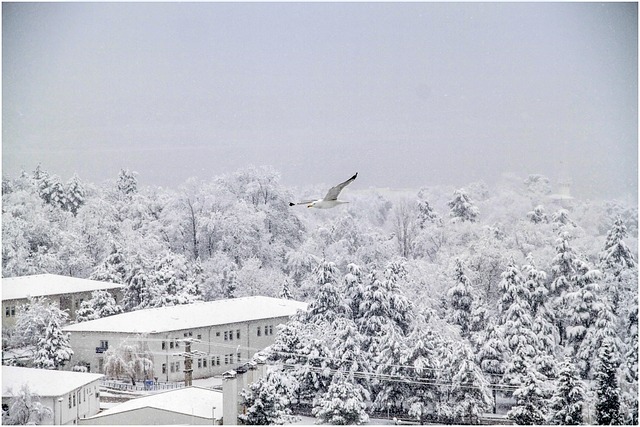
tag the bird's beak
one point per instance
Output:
(309, 206)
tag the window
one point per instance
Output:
(218, 360)
(178, 366)
(199, 336)
(13, 310)
(171, 344)
(204, 363)
(218, 333)
(259, 330)
(164, 345)
(231, 335)
(7, 311)
(185, 334)
(200, 363)
(177, 343)
(104, 344)
(226, 359)
(74, 399)
(164, 368)
(226, 335)
(173, 367)
(231, 358)
(270, 329)
(238, 355)
(69, 401)
(238, 333)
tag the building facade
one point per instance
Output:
(71, 396)
(67, 292)
(215, 336)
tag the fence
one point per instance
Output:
(149, 385)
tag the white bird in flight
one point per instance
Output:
(330, 200)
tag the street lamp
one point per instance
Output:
(213, 415)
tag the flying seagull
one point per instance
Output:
(330, 200)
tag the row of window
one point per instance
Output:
(228, 336)
(202, 363)
(10, 311)
(268, 330)
(73, 401)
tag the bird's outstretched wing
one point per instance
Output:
(333, 192)
(301, 203)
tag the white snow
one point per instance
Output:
(191, 316)
(194, 401)
(41, 285)
(43, 382)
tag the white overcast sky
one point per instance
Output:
(407, 94)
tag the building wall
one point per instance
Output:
(70, 407)
(69, 302)
(147, 416)
(221, 348)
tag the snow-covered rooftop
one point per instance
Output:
(194, 401)
(40, 285)
(191, 316)
(43, 382)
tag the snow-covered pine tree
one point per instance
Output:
(607, 387)
(137, 291)
(583, 303)
(460, 299)
(388, 353)
(560, 219)
(538, 215)
(568, 397)
(353, 290)
(462, 208)
(114, 267)
(268, 400)
(85, 312)
(343, 403)
(104, 304)
(53, 349)
(285, 292)
(57, 193)
(602, 330)
(491, 356)
(426, 215)
(127, 182)
(417, 360)
(563, 269)
(347, 347)
(531, 400)
(327, 304)
(469, 394)
(75, 195)
(619, 266)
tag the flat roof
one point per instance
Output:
(191, 316)
(195, 401)
(41, 285)
(44, 382)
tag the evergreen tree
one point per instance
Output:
(461, 300)
(104, 304)
(619, 266)
(563, 269)
(342, 404)
(268, 400)
(353, 290)
(530, 397)
(85, 312)
(327, 304)
(568, 397)
(127, 182)
(603, 329)
(462, 208)
(75, 195)
(427, 215)
(583, 304)
(607, 388)
(389, 351)
(113, 269)
(53, 349)
(491, 356)
(470, 389)
(560, 219)
(538, 215)
(285, 292)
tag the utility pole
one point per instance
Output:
(188, 359)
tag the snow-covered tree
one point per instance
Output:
(75, 195)
(342, 404)
(25, 408)
(568, 397)
(327, 304)
(607, 387)
(561, 219)
(461, 300)
(469, 394)
(531, 400)
(603, 329)
(491, 356)
(113, 269)
(462, 208)
(427, 215)
(85, 312)
(619, 265)
(103, 304)
(52, 350)
(538, 215)
(268, 400)
(285, 292)
(129, 360)
(127, 182)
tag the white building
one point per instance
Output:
(227, 332)
(70, 395)
(67, 292)
(190, 405)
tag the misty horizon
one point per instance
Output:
(408, 95)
